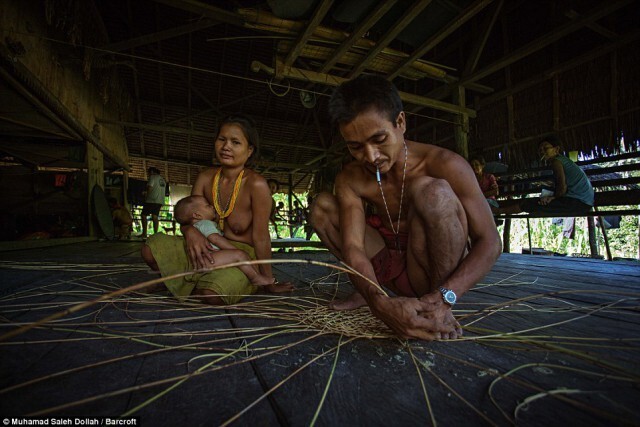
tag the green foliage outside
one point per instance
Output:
(165, 217)
(284, 230)
(623, 241)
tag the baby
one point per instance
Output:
(196, 211)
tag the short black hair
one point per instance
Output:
(552, 139)
(361, 94)
(182, 211)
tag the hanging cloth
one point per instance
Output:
(231, 203)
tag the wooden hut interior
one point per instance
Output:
(96, 92)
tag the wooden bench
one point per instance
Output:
(296, 243)
(613, 192)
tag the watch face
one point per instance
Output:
(450, 297)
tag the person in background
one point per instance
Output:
(154, 199)
(274, 186)
(122, 219)
(572, 193)
(298, 219)
(196, 211)
(488, 183)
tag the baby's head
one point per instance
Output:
(192, 209)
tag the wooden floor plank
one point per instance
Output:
(573, 359)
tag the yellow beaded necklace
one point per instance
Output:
(215, 190)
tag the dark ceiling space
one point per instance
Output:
(186, 63)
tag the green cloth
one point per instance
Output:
(170, 253)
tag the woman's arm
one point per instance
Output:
(198, 247)
(260, 207)
(561, 181)
(261, 210)
(493, 187)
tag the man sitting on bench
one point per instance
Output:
(573, 194)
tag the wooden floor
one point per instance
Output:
(548, 341)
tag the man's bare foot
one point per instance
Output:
(354, 301)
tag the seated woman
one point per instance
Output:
(487, 182)
(573, 193)
(241, 199)
(122, 219)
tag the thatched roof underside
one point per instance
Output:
(593, 117)
(527, 68)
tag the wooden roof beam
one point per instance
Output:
(605, 32)
(393, 32)
(321, 11)
(544, 41)
(364, 26)
(478, 48)
(260, 163)
(215, 111)
(185, 131)
(155, 37)
(582, 59)
(433, 41)
(204, 9)
(329, 80)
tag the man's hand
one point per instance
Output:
(198, 248)
(415, 318)
(441, 312)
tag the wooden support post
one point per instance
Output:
(614, 96)
(125, 190)
(604, 235)
(95, 171)
(506, 236)
(593, 244)
(529, 234)
(290, 205)
(461, 129)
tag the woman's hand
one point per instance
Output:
(198, 248)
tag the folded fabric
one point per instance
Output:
(170, 253)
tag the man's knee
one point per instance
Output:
(434, 196)
(324, 205)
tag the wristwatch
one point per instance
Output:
(448, 296)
